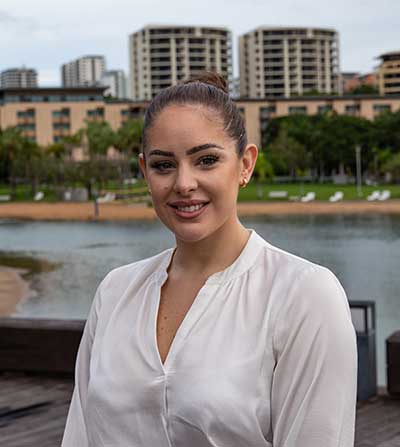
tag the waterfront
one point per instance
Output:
(72, 257)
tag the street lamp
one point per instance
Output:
(359, 175)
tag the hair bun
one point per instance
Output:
(211, 78)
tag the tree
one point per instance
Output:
(364, 89)
(128, 140)
(288, 153)
(393, 167)
(100, 137)
(386, 131)
(20, 158)
(263, 169)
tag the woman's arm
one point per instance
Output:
(75, 434)
(315, 376)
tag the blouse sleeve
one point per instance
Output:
(75, 433)
(313, 396)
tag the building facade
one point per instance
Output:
(115, 81)
(19, 78)
(287, 62)
(48, 115)
(389, 73)
(85, 71)
(161, 56)
(351, 81)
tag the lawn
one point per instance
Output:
(248, 194)
(323, 191)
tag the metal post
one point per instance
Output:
(96, 204)
(359, 174)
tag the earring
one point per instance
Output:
(149, 190)
(243, 182)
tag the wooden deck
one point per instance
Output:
(33, 410)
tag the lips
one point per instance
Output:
(189, 209)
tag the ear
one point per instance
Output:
(142, 165)
(248, 161)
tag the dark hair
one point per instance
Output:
(208, 89)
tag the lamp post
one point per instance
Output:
(359, 175)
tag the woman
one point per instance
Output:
(225, 340)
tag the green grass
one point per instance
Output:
(323, 191)
(248, 194)
(24, 192)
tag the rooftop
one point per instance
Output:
(390, 55)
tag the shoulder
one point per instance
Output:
(300, 289)
(286, 272)
(118, 280)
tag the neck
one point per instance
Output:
(212, 254)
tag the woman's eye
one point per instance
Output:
(208, 161)
(161, 165)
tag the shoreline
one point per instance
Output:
(125, 212)
(13, 290)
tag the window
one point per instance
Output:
(381, 108)
(353, 109)
(324, 109)
(295, 110)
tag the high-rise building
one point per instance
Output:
(286, 62)
(389, 73)
(18, 78)
(115, 80)
(161, 56)
(83, 72)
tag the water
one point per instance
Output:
(363, 251)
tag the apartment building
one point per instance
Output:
(287, 62)
(48, 114)
(351, 81)
(389, 73)
(85, 71)
(45, 115)
(19, 78)
(115, 81)
(161, 56)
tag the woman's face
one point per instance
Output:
(193, 171)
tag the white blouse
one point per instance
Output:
(265, 356)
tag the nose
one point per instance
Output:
(185, 180)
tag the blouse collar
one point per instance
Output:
(241, 264)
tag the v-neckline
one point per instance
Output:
(198, 306)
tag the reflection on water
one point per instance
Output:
(363, 251)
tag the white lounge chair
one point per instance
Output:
(278, 194)
(309, 197)
(109, 197)
(39, 196)
(337, 196)
(384, 195)
(374, 196)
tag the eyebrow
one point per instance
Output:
(193, 150)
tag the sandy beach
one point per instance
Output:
(13, 289)
(120, 211)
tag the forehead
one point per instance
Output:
(186, 125)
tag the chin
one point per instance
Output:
(191, 233)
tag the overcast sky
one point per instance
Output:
(44, 34)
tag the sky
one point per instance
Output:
(44, 34)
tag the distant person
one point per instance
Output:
(224, 340)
